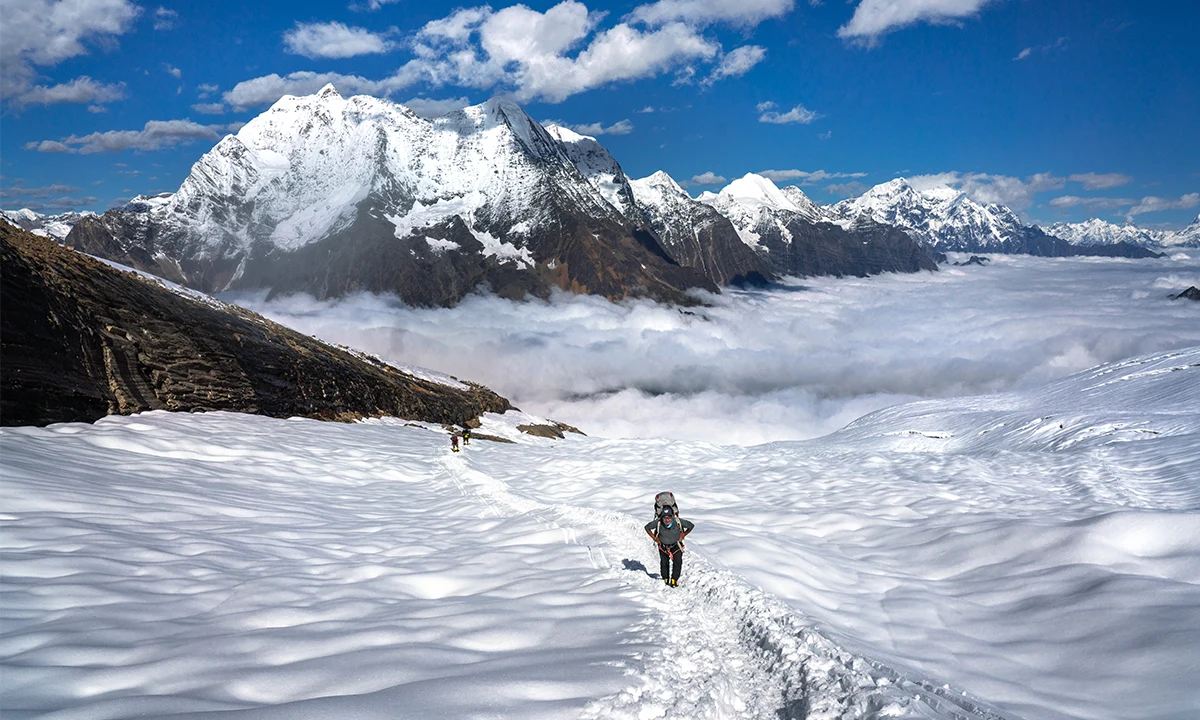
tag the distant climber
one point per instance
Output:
(454, 442)
(668, 531)
(466, 433)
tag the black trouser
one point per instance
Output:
(665, 555)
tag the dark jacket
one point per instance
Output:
(669, 536)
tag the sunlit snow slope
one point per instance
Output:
(1030, 555)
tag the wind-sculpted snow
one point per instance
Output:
(180, 565)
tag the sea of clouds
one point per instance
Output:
(796, 361)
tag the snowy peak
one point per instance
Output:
(660, 184)
(941, 217)
(51, 226)
(1188, 237)
(596, 164)
(399, 201)
(755, 191)
(1098, 232)
(804, 204)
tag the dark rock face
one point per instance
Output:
(974, 260)
(82, 340)
(1192, 293)
(581, 254)
(867, 248)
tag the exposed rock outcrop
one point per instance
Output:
(82, 340)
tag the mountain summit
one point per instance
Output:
(329, 195)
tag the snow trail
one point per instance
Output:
(723, 648)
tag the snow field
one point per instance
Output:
(182, 565)
(167, 565)
(1038, 550)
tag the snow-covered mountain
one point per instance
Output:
(597, 165)
(1099, 232)
(1188, 237)
(948, 220)
(330, 195)
(51, 226)
(797, 238)
(696, 235)
(689, 233)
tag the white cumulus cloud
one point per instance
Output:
(333, 40)
(700, 12)
(1151, 203)
(707, 178)
(798, 114)
(988, 188)
(1095, 203)
(874, 18)
(430, 108)
(42, 33)
(1100, 181)
(269, 88)
(738, 62)
(81, 90)
(808, 177)
(156, 134)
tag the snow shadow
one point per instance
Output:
(637, 566)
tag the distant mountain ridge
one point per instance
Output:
(947, 220)
(51, 226)
(328, 195)
(797, 237)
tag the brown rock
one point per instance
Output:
(82, 340)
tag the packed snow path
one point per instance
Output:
(722, 649)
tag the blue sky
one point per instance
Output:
(1063, 110)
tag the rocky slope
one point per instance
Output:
(328, 195)
(789, 232)
(81, 340)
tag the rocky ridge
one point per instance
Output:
(81, 340)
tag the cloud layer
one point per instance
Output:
(789, 363)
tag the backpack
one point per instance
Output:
(662, 500)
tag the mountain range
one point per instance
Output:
(328, 195)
